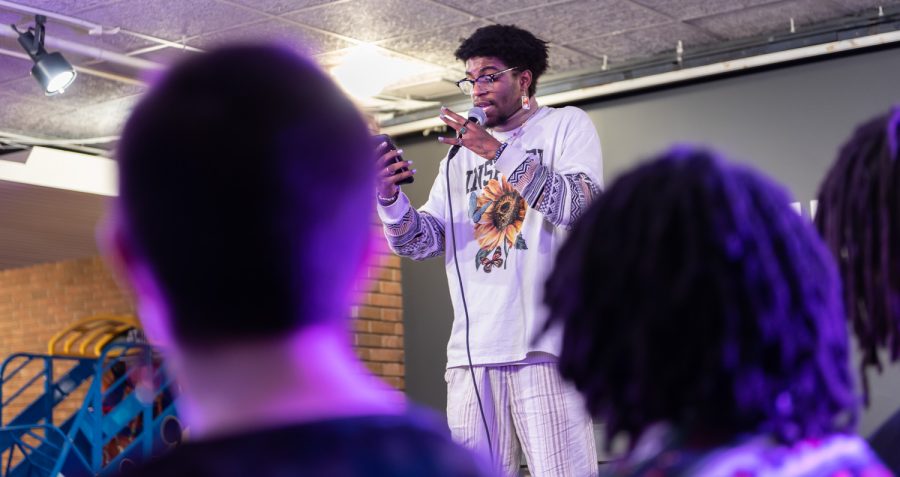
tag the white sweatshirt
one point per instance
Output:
(509, 219)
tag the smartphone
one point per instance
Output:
(384, 138)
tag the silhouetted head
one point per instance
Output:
(858, 214)
(691, 293)
(245, 196)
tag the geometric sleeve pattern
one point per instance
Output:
(561, 198)
(529, 179)
(418, 235)
(583, 191)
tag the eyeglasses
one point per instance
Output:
(468, 85)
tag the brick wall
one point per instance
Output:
(378, 316)
(38, 301)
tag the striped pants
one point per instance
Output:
(528, 409)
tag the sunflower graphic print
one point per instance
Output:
(497, 214)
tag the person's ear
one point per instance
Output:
(525, 81)
(133, 274)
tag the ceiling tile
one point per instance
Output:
(84, 91)
(485, 8)
(580, 32)
(436, 46)
(866, 6)
(427, 91)
(8, 18)
(168, 56)
(65, 6)
(632, 45)
(375, 20)
(31, 118)
(564, 60)
(168, 19)
(102, 119)
(685, 9)
(12, 69)
(119, 43)
(289, 34)
(769, 19)
(279, 7)
(582, 19)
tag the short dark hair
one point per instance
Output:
(858, 214)
(513, 45)
(691, 293)
(245, 182)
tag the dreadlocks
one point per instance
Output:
(859, 216)
(691, 293)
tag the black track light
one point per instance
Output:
(51, 70)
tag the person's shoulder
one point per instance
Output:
(569, 113)
(834, 454)
(420, 444)
(178, 462)
(570, 117)
(408, 444)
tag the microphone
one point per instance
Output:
(476, 115)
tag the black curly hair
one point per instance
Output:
(858, 214)
(691, 293)
(513, 45)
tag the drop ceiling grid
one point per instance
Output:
(581, 33)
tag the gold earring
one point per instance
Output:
(526, 102)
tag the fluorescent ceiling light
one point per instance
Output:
(366, 70)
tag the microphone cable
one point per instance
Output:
(462, 293)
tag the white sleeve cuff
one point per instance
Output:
(392, 214)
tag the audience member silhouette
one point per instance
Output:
(703, 321)
(858, 214)
(243, 221)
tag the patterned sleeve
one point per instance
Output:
(562, 198)
(559, 187)
(418, 235)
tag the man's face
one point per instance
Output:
(500, 99)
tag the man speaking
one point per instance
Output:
(498, 211)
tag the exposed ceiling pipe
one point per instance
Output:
(91, 27)
(160, 41)
(82, 69)
(14, 139)
(91, 51)
(33, 141)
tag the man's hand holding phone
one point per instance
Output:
(392, 169)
